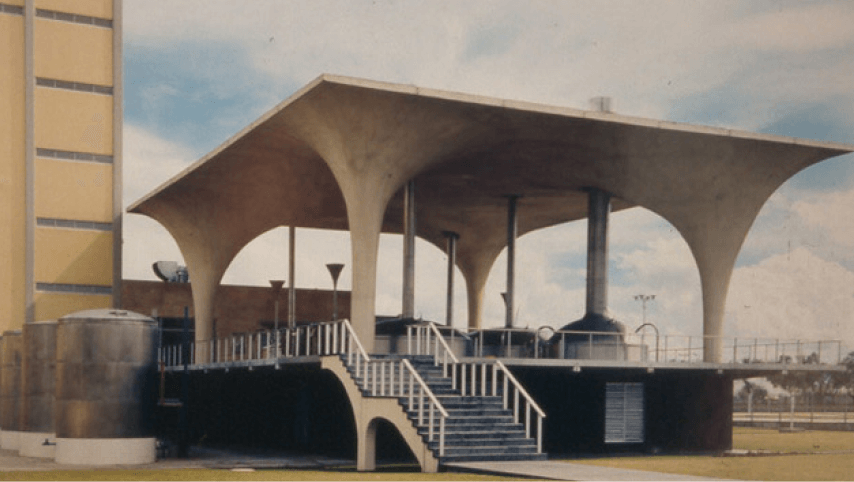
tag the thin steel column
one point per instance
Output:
(409, 250)
(512, 231)
(598, 209)
(292, 289)
(452, 262)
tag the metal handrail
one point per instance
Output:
(521, 389)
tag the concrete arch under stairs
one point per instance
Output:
(368, 412)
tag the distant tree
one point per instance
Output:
(796, 381)
(759, 393)
(845, 379)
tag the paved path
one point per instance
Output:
(568, 471)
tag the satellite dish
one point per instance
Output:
(166, 270)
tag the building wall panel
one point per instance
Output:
(12, 171)
(73, 121)
(71, 256)
(92, 8)
(74, 190)
(73, 52)
(51, 306)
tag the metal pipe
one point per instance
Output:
(598, 210)
(512, 232)
(452, 262)
(409, 250)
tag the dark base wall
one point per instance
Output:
(684, 410)
(306, 409)
(302, 409)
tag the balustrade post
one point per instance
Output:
(409, 340)
(382, 378)
(441, 436)
(483, 380)
(515, 405)
(430, 430)
(527, 419)
(505, 395)
(411, 391)
(420, 405)
(539, 434)
(373, 372)
(463, 380)
(494, 379)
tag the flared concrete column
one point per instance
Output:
(365, 223)
(452, 263)
(598, 209)
(715, 274)
(475, 285)
(409, 250)
(512, 234)
(203, 286)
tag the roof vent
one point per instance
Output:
(601, 104)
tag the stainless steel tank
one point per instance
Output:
(105, 362)
(38, 389)
(10, 392)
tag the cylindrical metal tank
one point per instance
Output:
(38, 389)
(10, 392)
(1, 390)
(105, 367)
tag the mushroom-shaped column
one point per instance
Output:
(373, 143)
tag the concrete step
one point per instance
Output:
(458, 428)
(497, 457)
(487, 440)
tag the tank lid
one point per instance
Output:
(106, 314)
(43, 322)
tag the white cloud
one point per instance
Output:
(792, 295)
(829, 213)
(148, 162)
(647, 55)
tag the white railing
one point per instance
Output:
(330, 338)
(486, 379)
(426, 339)
(647, 347)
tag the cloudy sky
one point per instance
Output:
(196, 72)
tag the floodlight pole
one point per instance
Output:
(334, 271)
(643, 299)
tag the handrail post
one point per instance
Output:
(409, 340)
(441, 436)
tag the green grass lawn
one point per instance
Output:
(809, 466)
(213, 474)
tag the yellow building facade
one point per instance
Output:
(60, 158)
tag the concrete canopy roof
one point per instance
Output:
(336, 154)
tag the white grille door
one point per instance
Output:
(624, 412)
